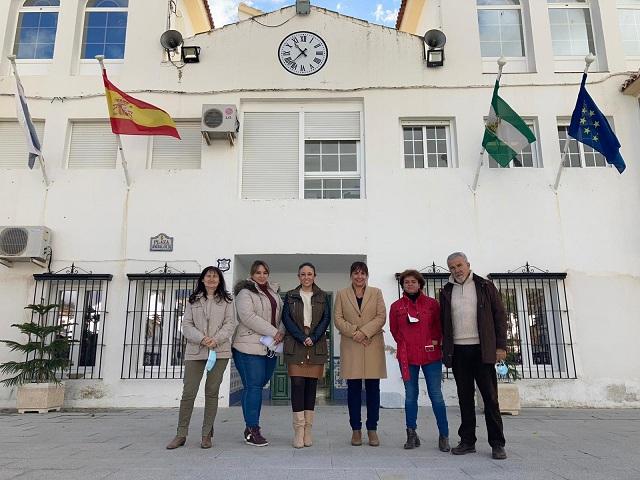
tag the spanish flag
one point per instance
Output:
(130, 116)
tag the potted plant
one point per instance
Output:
(46, 351)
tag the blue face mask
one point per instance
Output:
(502, 369)
(211, 361)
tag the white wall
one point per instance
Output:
(409, 218)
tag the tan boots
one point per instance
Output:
(308, 423)
(302, 423)
(298, 429)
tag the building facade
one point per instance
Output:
(349, 148)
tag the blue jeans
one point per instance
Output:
(433, 377)
(354, 402)
(255, 372)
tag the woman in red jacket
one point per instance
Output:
(415, 326)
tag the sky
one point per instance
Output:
(383, 12)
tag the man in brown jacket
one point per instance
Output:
(474, 329)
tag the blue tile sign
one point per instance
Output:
(161, 243)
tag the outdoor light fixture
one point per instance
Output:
(435, 40)
(303, 7)
(190, 54)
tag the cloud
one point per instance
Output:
(225, 11)
(385, 16)
(338, 7)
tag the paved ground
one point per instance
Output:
(129, 444)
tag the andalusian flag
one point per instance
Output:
(130, 116)
(505, 133)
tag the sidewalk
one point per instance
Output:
(129, 444)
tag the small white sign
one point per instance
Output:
(161, 243)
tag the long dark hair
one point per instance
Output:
(221, 291)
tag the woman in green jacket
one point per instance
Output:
(306, 317)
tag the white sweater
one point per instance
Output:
(464, 312)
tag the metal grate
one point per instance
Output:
(539, 339)
(153, 342)
(81, 300)
(13, 241)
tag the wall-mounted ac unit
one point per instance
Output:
(219, 121)
(24, 243)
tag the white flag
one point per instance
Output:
(22, 110)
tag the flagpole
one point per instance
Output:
(12, 59)
(100, 59)
(501, 63)
(588, 60)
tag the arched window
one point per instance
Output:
(36, 32)
(105, 29)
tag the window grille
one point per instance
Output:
(82, 300)
(501, 32)
(539, 339)
(105, 29)
(430, 141)
(153, 342)
(36, 30)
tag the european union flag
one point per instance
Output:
(590, 126)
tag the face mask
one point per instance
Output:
(412, 319)
(211, 361)
(502, 369)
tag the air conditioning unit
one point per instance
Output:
(219, 121)
(24, 243)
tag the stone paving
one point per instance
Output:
(129, 444)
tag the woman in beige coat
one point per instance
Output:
(208, 324)
(359, 316)
(259, 315)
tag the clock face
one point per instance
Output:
(303, 53)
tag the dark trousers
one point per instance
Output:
(467, 369)
(354, 402)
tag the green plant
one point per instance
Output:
(512, 369)
(47, 346)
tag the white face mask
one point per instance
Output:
(412, 319)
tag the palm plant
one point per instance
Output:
(47, 346)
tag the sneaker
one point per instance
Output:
(255, 438)
(463, 448)
(498, 453)
(443, 444)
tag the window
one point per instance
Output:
(579, 154)
(528, 157)
(331, 169)
(82, 300)
(629, 18)
(153, 342)
(538, 331)
(13, 144)
(171, 153)
(571, 29)
(501, 33)
(105, 29)
(36, 30)
(431, 141)
(304, 154)
(93, 145)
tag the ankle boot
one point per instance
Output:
(298, 429)
(308, 423)
(356, 438)
(178, 441)
(412, 439)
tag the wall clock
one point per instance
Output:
(303, 53)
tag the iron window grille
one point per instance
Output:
(539, 341)
(81, 300)
(153, 342)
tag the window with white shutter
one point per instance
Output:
(270, 166)
(173, 154)
(303, 154)
(13, 145)
(93, 145)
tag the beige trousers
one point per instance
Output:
(193, 370)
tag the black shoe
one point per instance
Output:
(255, 438)
(443, 444)
(412, 439)
(464, 448)
(498, 453)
